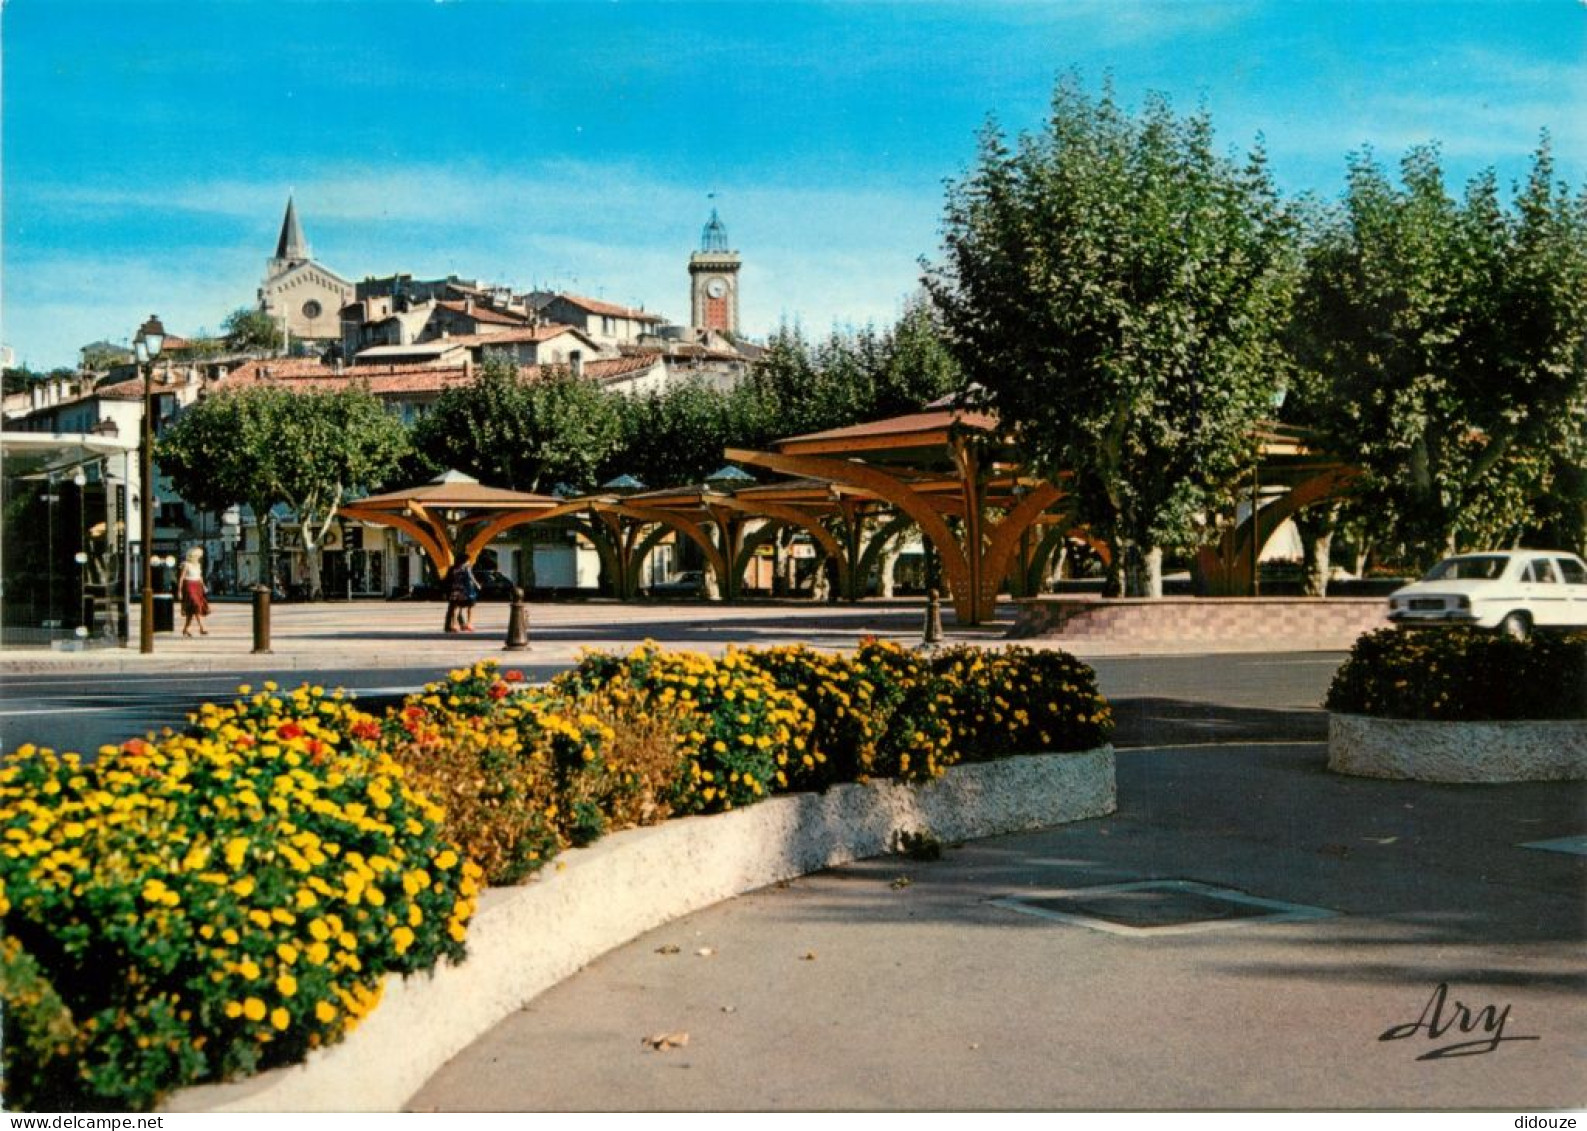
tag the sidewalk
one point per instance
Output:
(898, 985)
(308, 637)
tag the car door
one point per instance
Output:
(1547, 595)
(1574, 576)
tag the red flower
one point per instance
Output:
(289, 730)
(497, 691)
(513, 675)
(366, 729)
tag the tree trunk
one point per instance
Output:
(1134, 571)
(820, 587)
(311, 559)
(1316, 528)
(1153, 572)
(886, 562)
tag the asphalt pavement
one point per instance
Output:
(1248, 931)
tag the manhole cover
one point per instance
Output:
(1159, 907)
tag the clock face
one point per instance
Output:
(716, 288)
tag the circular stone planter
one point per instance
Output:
(1441, 751)
(526, 939)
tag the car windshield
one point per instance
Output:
(1482, 567)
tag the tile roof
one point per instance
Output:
(542, 333)
(597, 306)
(309, 376)
(375, 355)
(615, 369)
(482, 313)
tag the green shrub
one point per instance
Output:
(916, 743)
(1463, 674)
(847, 723)
(213, 903)
(470, 745)
(743, 729)
(621, 760)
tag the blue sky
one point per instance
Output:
(148, 148)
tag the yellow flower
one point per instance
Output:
(286, 985)
(236, 850)
(325, 1012)
(280, 1018)
(253, 1009)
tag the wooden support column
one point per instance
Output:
(884, 486)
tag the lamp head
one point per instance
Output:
(150, 339)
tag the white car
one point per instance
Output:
(1513, 591)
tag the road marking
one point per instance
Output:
(1575, 845)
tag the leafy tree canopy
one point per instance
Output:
(1442, 346)
(250, 330)
(1117, 289)
(526, 435)
(266, 445)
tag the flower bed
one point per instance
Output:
(1459, 705)
(207, 905)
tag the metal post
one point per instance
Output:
(517, 623)
(261, 619)
(146, 491)
(1256, 530)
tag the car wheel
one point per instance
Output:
(1516, 626)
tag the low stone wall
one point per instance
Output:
(526, 939)
(1196, 623)
(1420, 750)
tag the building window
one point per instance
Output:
(312, 309)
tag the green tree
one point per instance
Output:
(1117, 288)
(525, 435)
(266, 445)
(1442, 347)
(250, 330)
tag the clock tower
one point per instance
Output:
(713, 281)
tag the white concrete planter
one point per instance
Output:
(526, 939)
(1523, 750)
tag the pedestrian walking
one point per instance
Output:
(462, 590)
(194, 593)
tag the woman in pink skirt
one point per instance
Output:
(195, 597)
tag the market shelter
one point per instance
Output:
(454, 516)
(953, 472)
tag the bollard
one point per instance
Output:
(517, 623)
(261, 619)
(932, 636)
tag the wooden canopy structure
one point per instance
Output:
(950, 470)
(453, 516)
(1291, 474)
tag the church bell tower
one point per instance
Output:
(713, 280)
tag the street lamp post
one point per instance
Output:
(151, 337)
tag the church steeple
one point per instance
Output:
(291, 246)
